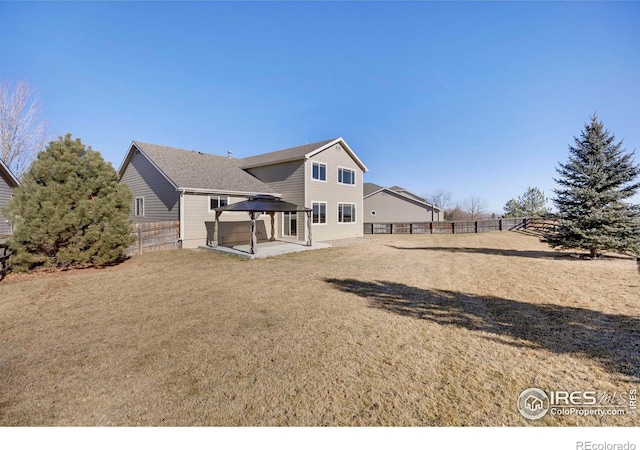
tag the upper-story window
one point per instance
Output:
(217, 201)
(319, 171)
(139, 207)
(346, 176)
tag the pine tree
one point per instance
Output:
(530, 204)
(594, 184)
(69, 210)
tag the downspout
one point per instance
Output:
(181, 239)
(307, 166)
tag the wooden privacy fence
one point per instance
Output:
(464, 226)
(153, 237)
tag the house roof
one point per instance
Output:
(197, 171)
(370, 188)
(10, 178)
(408, 193)
(297, 153)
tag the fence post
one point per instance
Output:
(139, 240)
(391, 228)
(500, 225)
(410, 228)
(476, 227)
(430, 227)
(453, 227)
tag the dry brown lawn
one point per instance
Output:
(387, 330)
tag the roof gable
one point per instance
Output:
(192, 170)
(8, 176)
(297, 153)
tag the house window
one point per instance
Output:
(346, 212)
(319, 212)
(217, 201)
(319, 171)
(346, 176)
(139, 207)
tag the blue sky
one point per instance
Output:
(477, 98)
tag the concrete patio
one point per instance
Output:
(267, 249)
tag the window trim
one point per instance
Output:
(135, 207)
(326, 170)
(219, 197)
(354, 214)
(350, 170)
(325, 213)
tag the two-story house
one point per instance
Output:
(186, 186)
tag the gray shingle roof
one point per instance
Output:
(370, 188)
(196, 170)
(407, 193)
(289, 154)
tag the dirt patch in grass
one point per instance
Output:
(391, 330)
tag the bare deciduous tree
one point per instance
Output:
(455, 213)
(440, 198)
(475, 207)
(22, 132)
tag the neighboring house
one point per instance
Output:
(397, 205)
(8, 181)
(186, 186)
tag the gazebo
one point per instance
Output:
(257, 205)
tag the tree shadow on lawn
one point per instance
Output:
(612, 340)
(488, 251)
(548, 254)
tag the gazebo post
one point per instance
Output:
(273, 225)
(216, 226)
(309, 242)
(254, 242)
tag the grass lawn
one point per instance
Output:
(396, 330)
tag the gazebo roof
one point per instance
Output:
(263, 203)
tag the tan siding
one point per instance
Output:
(293, 181)
(234, 229)
(392, 209)
(5, 196)
(161, 200)
(288, 180)
(333, 193)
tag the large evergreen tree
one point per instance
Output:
(595, 184)
(69, 210)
